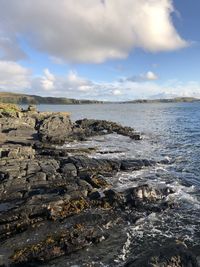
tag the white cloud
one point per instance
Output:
(151, 76)
(47, 81)
(74, 86)
(71, 83)
(91, 30)
(13, 76)
(148, 76)
(117, 92)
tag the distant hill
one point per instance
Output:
(34, 99)
(169, 100)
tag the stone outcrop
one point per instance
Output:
(55, 128)
(52, 203)
(55, 189)
(85, 128)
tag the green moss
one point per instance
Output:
(9, 108)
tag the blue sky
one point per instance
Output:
(106, 50)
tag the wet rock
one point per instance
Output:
(145, 194)
(135, 164)
(97, 181)
(51, 152)
(95, 195)
(57, 245)
(172, 255)
(86, 167)
(63, 209)
(85, 128)
(113, 198)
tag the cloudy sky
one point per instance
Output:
(100, 49)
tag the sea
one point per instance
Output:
(170, 131)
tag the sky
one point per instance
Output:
(100, 49)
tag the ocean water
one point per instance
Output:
(170, 131)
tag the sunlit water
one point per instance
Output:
(170, 131)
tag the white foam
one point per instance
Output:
(125, 250)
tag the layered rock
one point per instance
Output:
(53, 204)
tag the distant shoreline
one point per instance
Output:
(24, 99)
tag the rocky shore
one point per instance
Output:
(54, 203)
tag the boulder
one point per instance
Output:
(69, 170)
(55, 129)
(142, 194)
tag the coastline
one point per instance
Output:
(43, 187)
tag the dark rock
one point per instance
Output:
(147, 198)
(144, 194)
(95, 195)
(49, 166)
(172, 255)
(135, 164)
(69, 170)
(85, 128)
(113, 197)
(87, 167)
(97, 181)
(57, 245)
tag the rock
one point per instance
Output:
(53, 204)
(172, 255)
(95, 195)
(55, 129)
(87, 167)
(19, 152)
(69, 170)
(56, 245)
(38, 177)
(135, 164)
(62, 209)
(3, 261)
(145, 194)
(49, 166)
(113, 197)
(85, 187)
(85, 128)
(51, 152)
(32, 108)
(97, 181)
